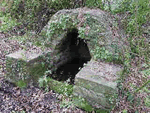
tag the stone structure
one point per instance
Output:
(97, 83)
(69, 29)
(26, 66)
(84, 34)
(81, 33)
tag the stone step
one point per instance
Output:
(96, 82)
(25, 65)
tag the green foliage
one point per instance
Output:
(63, 88)
(49, 84)
(66, 104)
(5, 17)
(138, 14)
(101, 4)
(43, 83)
(124, 111)
(140, 88)
(32, 14)
(146, 72)
(147, 101)
(95, 3)
(7, 22)
(81, 32)
(103, 54)
(82, 103)
(64, 23)
(21, 84)
(66, 90)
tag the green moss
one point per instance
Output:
(58, 87)
(21, 84)
(147, 101)
(83, 104)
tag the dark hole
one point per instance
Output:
(79, 52)
(69, 70)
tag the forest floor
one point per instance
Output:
(35, 100)
(30, 99)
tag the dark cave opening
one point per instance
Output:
(79, 52)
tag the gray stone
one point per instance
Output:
(97, 83)
(66, 34)
(98, 32)
(25, 66)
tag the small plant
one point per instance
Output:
(21, 84)
(147, 101)
(103, 54)
(64, 23)
(95, 3)
(7, 22)
(67, 104)
(43, 83)
(49, 84)
(82, 103)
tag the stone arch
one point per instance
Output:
(72, 52)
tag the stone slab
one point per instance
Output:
(25, 65)
(97, 83)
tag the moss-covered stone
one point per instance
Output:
(97, 83)
(104, 40)
(25, 66)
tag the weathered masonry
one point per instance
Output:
(76, 37)
(73, 52)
